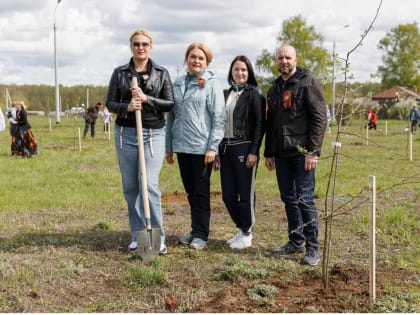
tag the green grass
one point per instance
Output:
(68, 174)
(139, 277)
(262, 294)
(236, 267)
(64, 231)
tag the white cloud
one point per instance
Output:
(92, 35)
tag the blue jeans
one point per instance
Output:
(128, 159)
(297, 192)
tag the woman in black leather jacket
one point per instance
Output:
(239, 149)
(154, 97)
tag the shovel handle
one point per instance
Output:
(142, 163)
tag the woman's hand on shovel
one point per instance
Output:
(137, 92)
(134, 105)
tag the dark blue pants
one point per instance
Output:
(297, 192)
(238, 184)
(414, 125)
(92, 129)
(196, 180)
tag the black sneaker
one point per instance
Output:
(311, 257)
(288, 249)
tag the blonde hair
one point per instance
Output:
(203, 48)
(21, 103)
(143, 32)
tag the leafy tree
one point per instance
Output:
(401, 47)
(42, 97)
(308, 44)
(365, 89)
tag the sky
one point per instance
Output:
(92, 36)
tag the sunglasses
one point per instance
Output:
(140, 44)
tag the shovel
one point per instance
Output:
(148, 239)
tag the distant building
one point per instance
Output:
(397, 95)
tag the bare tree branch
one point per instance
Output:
(332, 180)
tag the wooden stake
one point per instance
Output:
(109, 131)
(367, 134)
(49, 119)
(74, 133)
(410, 146)
(386, 127)
(372, 240)
(80, 139)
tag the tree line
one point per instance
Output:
(42, 97)
(400, 50)
(401, 66)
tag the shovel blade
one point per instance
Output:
(148, 243)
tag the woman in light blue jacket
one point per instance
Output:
(194, 130)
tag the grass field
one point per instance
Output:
(64, 233)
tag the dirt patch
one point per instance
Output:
(178, 196)
(348, 286)
(91, 270)
(56, 147)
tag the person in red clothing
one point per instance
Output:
(372, 119)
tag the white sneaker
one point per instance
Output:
(163, 249)
(235, 237)
(243, 241)
(132, 247)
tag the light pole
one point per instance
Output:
(57, 92)
(333, 75)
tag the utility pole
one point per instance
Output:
(57, 92)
